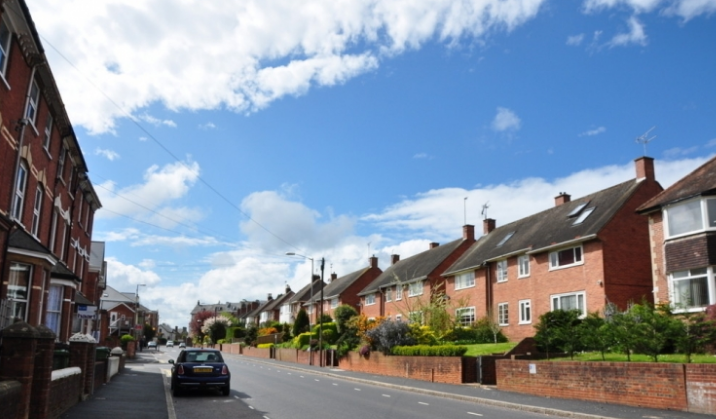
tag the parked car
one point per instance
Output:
(182, 345)
(200, 369)
(152, 345)
(170, 344)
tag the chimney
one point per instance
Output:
(334, 276)
(644, 168)
(562, 198)
(468, 232)
(394, 259)
(270, 297)
(288, 289)
(433, 245)
(373, 261)
(316, 277)
(488, 224)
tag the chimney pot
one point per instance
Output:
(334, 276)
(433, 245)
(488, 224)
(562, 198)
(373, 262)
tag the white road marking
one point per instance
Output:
(385, 395)
(473, 413)
(356, 389)
(425, 404)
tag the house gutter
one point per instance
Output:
(563, 244)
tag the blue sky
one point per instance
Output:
(220, 138)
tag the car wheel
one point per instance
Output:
(225, 390)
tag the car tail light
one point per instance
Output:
(180, 369)
(224, 370)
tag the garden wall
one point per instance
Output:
(257, 352)
(65, 391)
(686, 387)
(438, 369)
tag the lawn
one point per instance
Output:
(489, 348)
(617, 357)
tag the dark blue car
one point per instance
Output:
(200, 369)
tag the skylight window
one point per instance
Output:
(578, 209)
(583, 216)
(504, 239)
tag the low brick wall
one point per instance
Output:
(230, 348)
(257, 352)
(66, 390)
(685, 387)
(10, 398)
(100, 373)
(436, 369)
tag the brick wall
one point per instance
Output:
(257, 352)
(658, 266)
(66, 390)
(426, 368)
(10, 398)
(653, 385)
(701, 388)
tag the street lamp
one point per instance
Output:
(136, 312)
(311, 259)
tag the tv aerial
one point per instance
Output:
(644, 138)
(485, 206)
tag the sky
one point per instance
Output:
(221, 135)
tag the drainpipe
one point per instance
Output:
(23, 123)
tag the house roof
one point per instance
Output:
(701, 181)
(220, 307)
(22, 240)
(278, 301)
(111, 298)
(550, 228)
(414, 268)
(304, 294)
(336, 287)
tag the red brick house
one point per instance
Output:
(682, 227)
(580, 254)
(47, 203)
(405, 286)
(344, 290)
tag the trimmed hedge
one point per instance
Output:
(425, 350)
(265, 345)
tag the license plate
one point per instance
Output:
(209, 369)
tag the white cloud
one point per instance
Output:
(178, 57)
(677, 152)
(425, 156)
(686, 9)
(636, 35)
(575, 40)
(208, 125)
(128, 276)
(506, 120)
(109, 154)
(593, 132)
(156, 121)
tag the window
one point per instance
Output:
(54, 309)
(334, 302)
(572, 301)
(18, 290)
(61, 163)
(566, 257)
(578, 209)
(523, 266)
(370, 299)
(525, 311)
(79, 208)
(388, 294)
(583, 216)
(398, 292)
(501, 269)
(465, 316)
(465, 280)
(504, 239)
(691, 216)
(690, 288)
(37, 211)
(5, 38)
(48, 132)
(415, 289)
(20, 187)
(503, 315)
(33, 102)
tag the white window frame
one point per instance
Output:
(689, 276)
(525, 311)
(465, 280)
(388, 294)
(503, 314)
(370, 299)
(415, 289)
(398, 292)
(19, 192)
(501, 270)
(61, 163)
(581, 299)
(334, 302)
(17, 293)
(699, 207)
(4, 48)
(33, 103)
(577, 255)
(37, 211)
(48, 132)
(523, 266)
(465, 316)
(53, 317)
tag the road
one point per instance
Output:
(265, 391)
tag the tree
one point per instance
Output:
(301, 324)
(654, 326)
(622, 326)
(149, 332)
(694, 331)
(559, 330)
(343, 313)
(197, 322)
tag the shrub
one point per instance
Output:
(389, 334)
(343, 313)
(330, 332)
(265, 345)
(301, 324)
(425, 350)
(303, 340)
(422, 335)
(125, 339)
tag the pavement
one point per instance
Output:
(142, 391)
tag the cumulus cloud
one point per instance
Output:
(575, 40)
(109, 154)
(593, 132)
(686, 9)
(156, 121)
(636, 35)
(506, 120)
(178, 57)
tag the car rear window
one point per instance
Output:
(202, 356)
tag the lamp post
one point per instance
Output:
(136, 312)
(311, 259)
(320, 319)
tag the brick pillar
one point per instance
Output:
(17, 359)
(80, 347)
(42, 375)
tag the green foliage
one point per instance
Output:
(424, 350)
(301, 324)
(325, 318)
(236, 332)
(149, 333)
(265, 345)
(349, 338)
(558, 330)
(390, 333)
(343, 313)
(217, 331)
(654, 327)
(252, 333)
(304, 339)
(423, 335)
(595, 335)
(330, 332)
(693, 332)
(480, 332)
(125, 339)
(286, 330)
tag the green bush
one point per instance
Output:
(330, 332)
(425, 350)
(125, 339)
(265, 345)
(304, 339)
